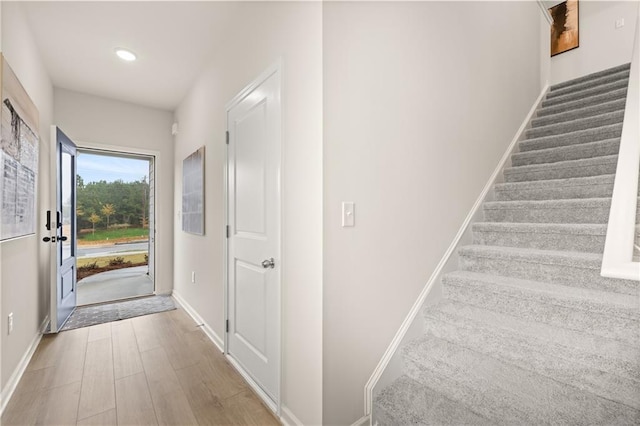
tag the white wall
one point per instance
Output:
(25, 262)
(545, 49)
(97, 122)
(602, 46)
(293, 31)
(421, 99)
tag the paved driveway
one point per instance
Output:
(114, 285)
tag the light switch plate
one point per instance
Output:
(619, 22)
(348, 214)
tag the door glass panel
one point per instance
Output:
(67, 211)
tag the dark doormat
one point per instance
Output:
(86, 316)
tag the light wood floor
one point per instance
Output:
(155, 369)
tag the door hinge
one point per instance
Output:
(227, 326)
(227, 231)
(227, 137)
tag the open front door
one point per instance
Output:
(62, 226)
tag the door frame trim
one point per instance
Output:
(91, 146)
(277, 69)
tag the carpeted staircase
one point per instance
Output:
(529, 333)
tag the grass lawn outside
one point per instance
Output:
(87, 266)
(135, 259)
(113, 236)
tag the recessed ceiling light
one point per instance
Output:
(126, 55)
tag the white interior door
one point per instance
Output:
(253, 270)
(62, 227)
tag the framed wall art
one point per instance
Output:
(565, 34)
(193, 193)
(19, 140)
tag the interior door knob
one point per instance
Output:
(62, 238)
(268, 263)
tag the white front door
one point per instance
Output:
(62, 231)
(253, 269)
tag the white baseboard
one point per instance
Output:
(12, 384)
(288, 418)
(198, 319)
(433, 279)
(362, 421)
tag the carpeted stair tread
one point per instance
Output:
(565, 153)
(576, 114)
(525, 344)
(594, 82)
(611, 131)
(602, 353)
(600, 186)
(544, 236)
(592, 91)
(407, 402)
(585, 210)
(583, 102)
(568, 268)
(592, 76)
(505, 393)
(603, 165)
(599, 120)
(554, 257)
(589, 311)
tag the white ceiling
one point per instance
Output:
(173, 41)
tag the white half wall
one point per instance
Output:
(259, 34)
(602, 45)
(25, 261)
(109, 124)
(421, 100)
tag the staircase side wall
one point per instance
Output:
(421, 100)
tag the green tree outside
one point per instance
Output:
(122, 203)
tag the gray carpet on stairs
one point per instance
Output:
(528, 331)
